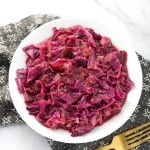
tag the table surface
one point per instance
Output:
(132, 15)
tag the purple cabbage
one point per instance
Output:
(75, 80)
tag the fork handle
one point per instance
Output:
(107, 147)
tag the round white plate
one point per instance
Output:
(135, 73)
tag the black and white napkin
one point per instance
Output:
(10, 37)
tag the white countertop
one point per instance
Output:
(21, 137)
(133, 14)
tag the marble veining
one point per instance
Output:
(135, 15)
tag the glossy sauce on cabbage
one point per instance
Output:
(75, 80)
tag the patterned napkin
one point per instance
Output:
(10, 37)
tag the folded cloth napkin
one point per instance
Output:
(10, 37)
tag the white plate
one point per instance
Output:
(110, 126)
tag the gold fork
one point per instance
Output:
(129, 139)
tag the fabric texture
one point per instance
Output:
(10, 37)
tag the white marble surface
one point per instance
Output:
(135, 15)
(21, 137)
(130, 15)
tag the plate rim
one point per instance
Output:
(24, 118)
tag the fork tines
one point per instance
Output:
(137, 135)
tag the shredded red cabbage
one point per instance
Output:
(75, 80)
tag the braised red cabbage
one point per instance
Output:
(75, 80)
